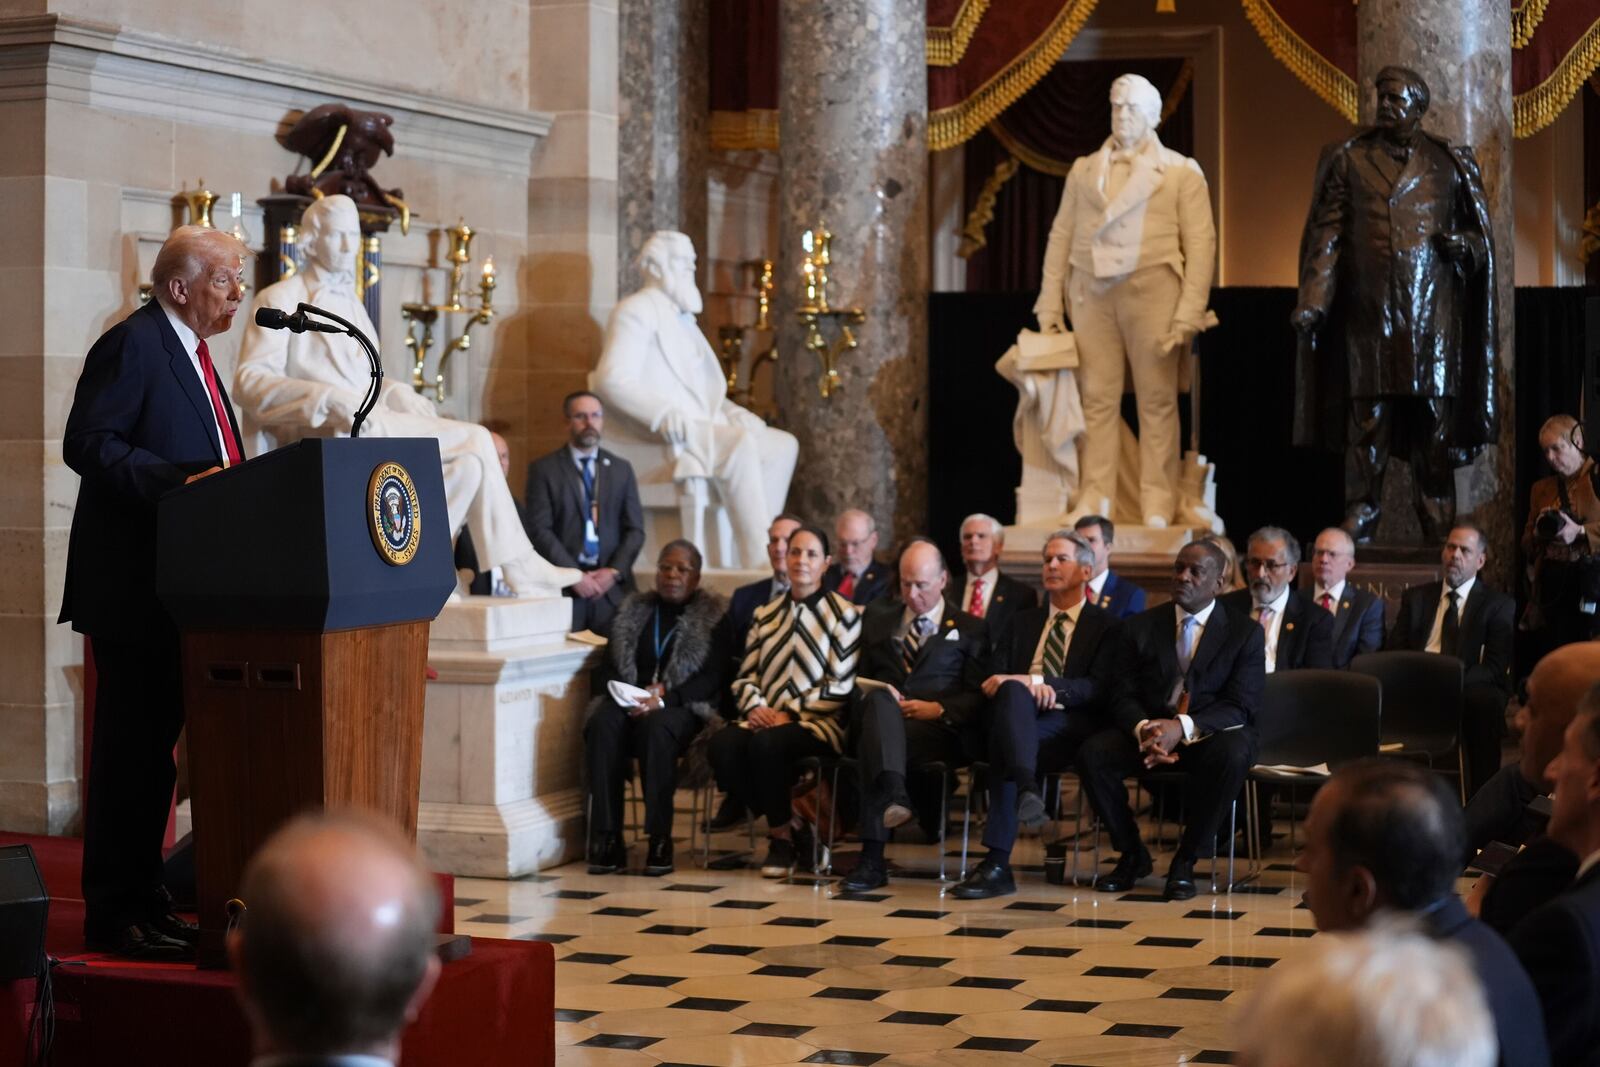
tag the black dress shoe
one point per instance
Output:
(984, 881)
(869, 874)
(176, 927)
(780, 858)
(606, 854)
(1030, 809)
(730, 813)
(1131, 867)
(659, 860)
(1180, 880)
(140, 941)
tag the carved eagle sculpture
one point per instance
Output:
(342, 144)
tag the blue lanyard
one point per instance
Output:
(662, 643)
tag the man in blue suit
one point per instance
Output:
(1106, 591)
(1384, 837)
(1357, 613)
(150, 414)
(747, 598)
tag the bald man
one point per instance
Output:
(929, 659)
(336, 952)
(857, 576)
(150, 413)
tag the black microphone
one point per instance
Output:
(275, 319)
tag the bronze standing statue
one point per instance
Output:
(1397, 313)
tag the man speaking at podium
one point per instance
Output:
(150, 414)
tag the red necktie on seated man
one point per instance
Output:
(975, 607)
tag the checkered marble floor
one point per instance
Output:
(726, 968)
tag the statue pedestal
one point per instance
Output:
(502, 740)
(1142, 554)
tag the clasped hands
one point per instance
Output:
(926, 710)
(763, 717)
(1043, 695)
(653, 702)
(595, 583)
(1158, 741)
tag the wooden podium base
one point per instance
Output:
(282, 722)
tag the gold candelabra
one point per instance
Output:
(198, 201)
(426, 315)
(815, 311)
(731, 337)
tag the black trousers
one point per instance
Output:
(590, 614)
(759, 766)
(1214, 770)
(1483, 724)
(1024, 743)
(888, 744)
(611, 738)
(1424, 433)
(138, 715)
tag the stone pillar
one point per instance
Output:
(853, 112)
(1462, 49)
(663, 108)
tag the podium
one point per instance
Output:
(303, 583)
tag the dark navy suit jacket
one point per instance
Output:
(1559, 944)
(947, 670)
(1357, 624)
(1085, 678)
(1506, 986)
(141, 423)
(742, 609)
(1225, 678)
(877, 580)
(1121, 598)
(1304, 635)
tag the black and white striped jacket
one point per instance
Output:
(800, 657)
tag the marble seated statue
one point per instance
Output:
(289, 386)
(722, 469)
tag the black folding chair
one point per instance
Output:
(1421, 706)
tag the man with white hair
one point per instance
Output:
(1131, 256)
(150, 414)
(310, 384)
(988, 594)
(658, 371)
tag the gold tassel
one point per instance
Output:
(972, 234)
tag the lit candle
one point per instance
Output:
(488, 270)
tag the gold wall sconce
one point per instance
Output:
(731, 338)
(815, 312)
(427, 315)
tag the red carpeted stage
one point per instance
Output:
(497, 1006)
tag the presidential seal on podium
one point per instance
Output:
(395, 515)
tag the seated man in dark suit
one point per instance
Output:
(583, 511)
(1296, 632)
(1122, 598)
(930, 660)
(986, 593)
(747, 598)
(1559, 943)
(1188, 678)
(1384, 836)
(490, 582)
(1463, 617)
(857, 576)
(1357, 613)
(1051, 670)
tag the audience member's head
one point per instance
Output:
(1465, 551)
(1383, 834)
(1561, 444)
(1574, 777)
(1384, 997)
(678, 571)
(1232, 578)
(778, 542)
(1271, 558)
(857, 535)
(585, 417)
(1197, 575)
(982, 538)
(1556, 687)
(503, 450)
(1099, 534)
(199, 277)
(1333, 555)
(923, 575)
(336, 952)
(807, 560)
(1068, 564)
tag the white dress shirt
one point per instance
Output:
(986, 595)
(1036, 667)
(1097, 586)
(1274, 627)
(1336, 593)
(1588, 862)
(191, 345)
(1462, 591)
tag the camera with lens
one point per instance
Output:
(1548, 523)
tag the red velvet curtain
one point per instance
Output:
(1066, 115)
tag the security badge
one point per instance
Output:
(394, 514)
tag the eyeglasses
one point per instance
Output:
(1266, 565)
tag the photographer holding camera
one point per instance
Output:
(1562, 540)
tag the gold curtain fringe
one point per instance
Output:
(974, 234)
(1323, 78)
(1180, 86)
(1525, 18)
(1031, 159)
(1537, 108)
(744, 131)
(950, 126)
(947, 44)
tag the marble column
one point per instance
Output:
(854, 155)
(663, 109)
(1462, 49)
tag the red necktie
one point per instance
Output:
(975, 607)
(1327, 603)
(209, 372)
(847, 585)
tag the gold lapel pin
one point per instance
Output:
(1288, 626)
(1346, 604)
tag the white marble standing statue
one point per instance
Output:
(291, 386)
(1131, 255)
(659, 372)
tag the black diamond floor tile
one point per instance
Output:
(916, 961)
(1032, 905)
(753, 905)
(1100, 924)
(575, 894)
(1045, 950)
(707, 1003)
(1201, 913)
(851, 1059)
(988, 983)
(630, 913)
(865, 897)
(729, 950)
(688, 888)
(623, 1041)
(537, 879)
(1119, 972)
(1141, 1030)
(785, 970)
(496, 920)
(977, 931)
(1258, 890)
(795, 920)
(573, 1015)
(917, 913)
(551, 939)
(1243, 961)
(858, 942)
(921, 1018)
(1212, 1055)
(467, 902)
(1284, 931)
(846, 993)
(675, 931)
(771, 1030)
(998, 1044)
(647, 979)
(1169, 942)
(1080, 1006)
(1187, 993)
(1143, 898)
(602, 958)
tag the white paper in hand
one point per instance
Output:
(627, 695)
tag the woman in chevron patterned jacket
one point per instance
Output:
(792, 688)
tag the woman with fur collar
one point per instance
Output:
(676, 645)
